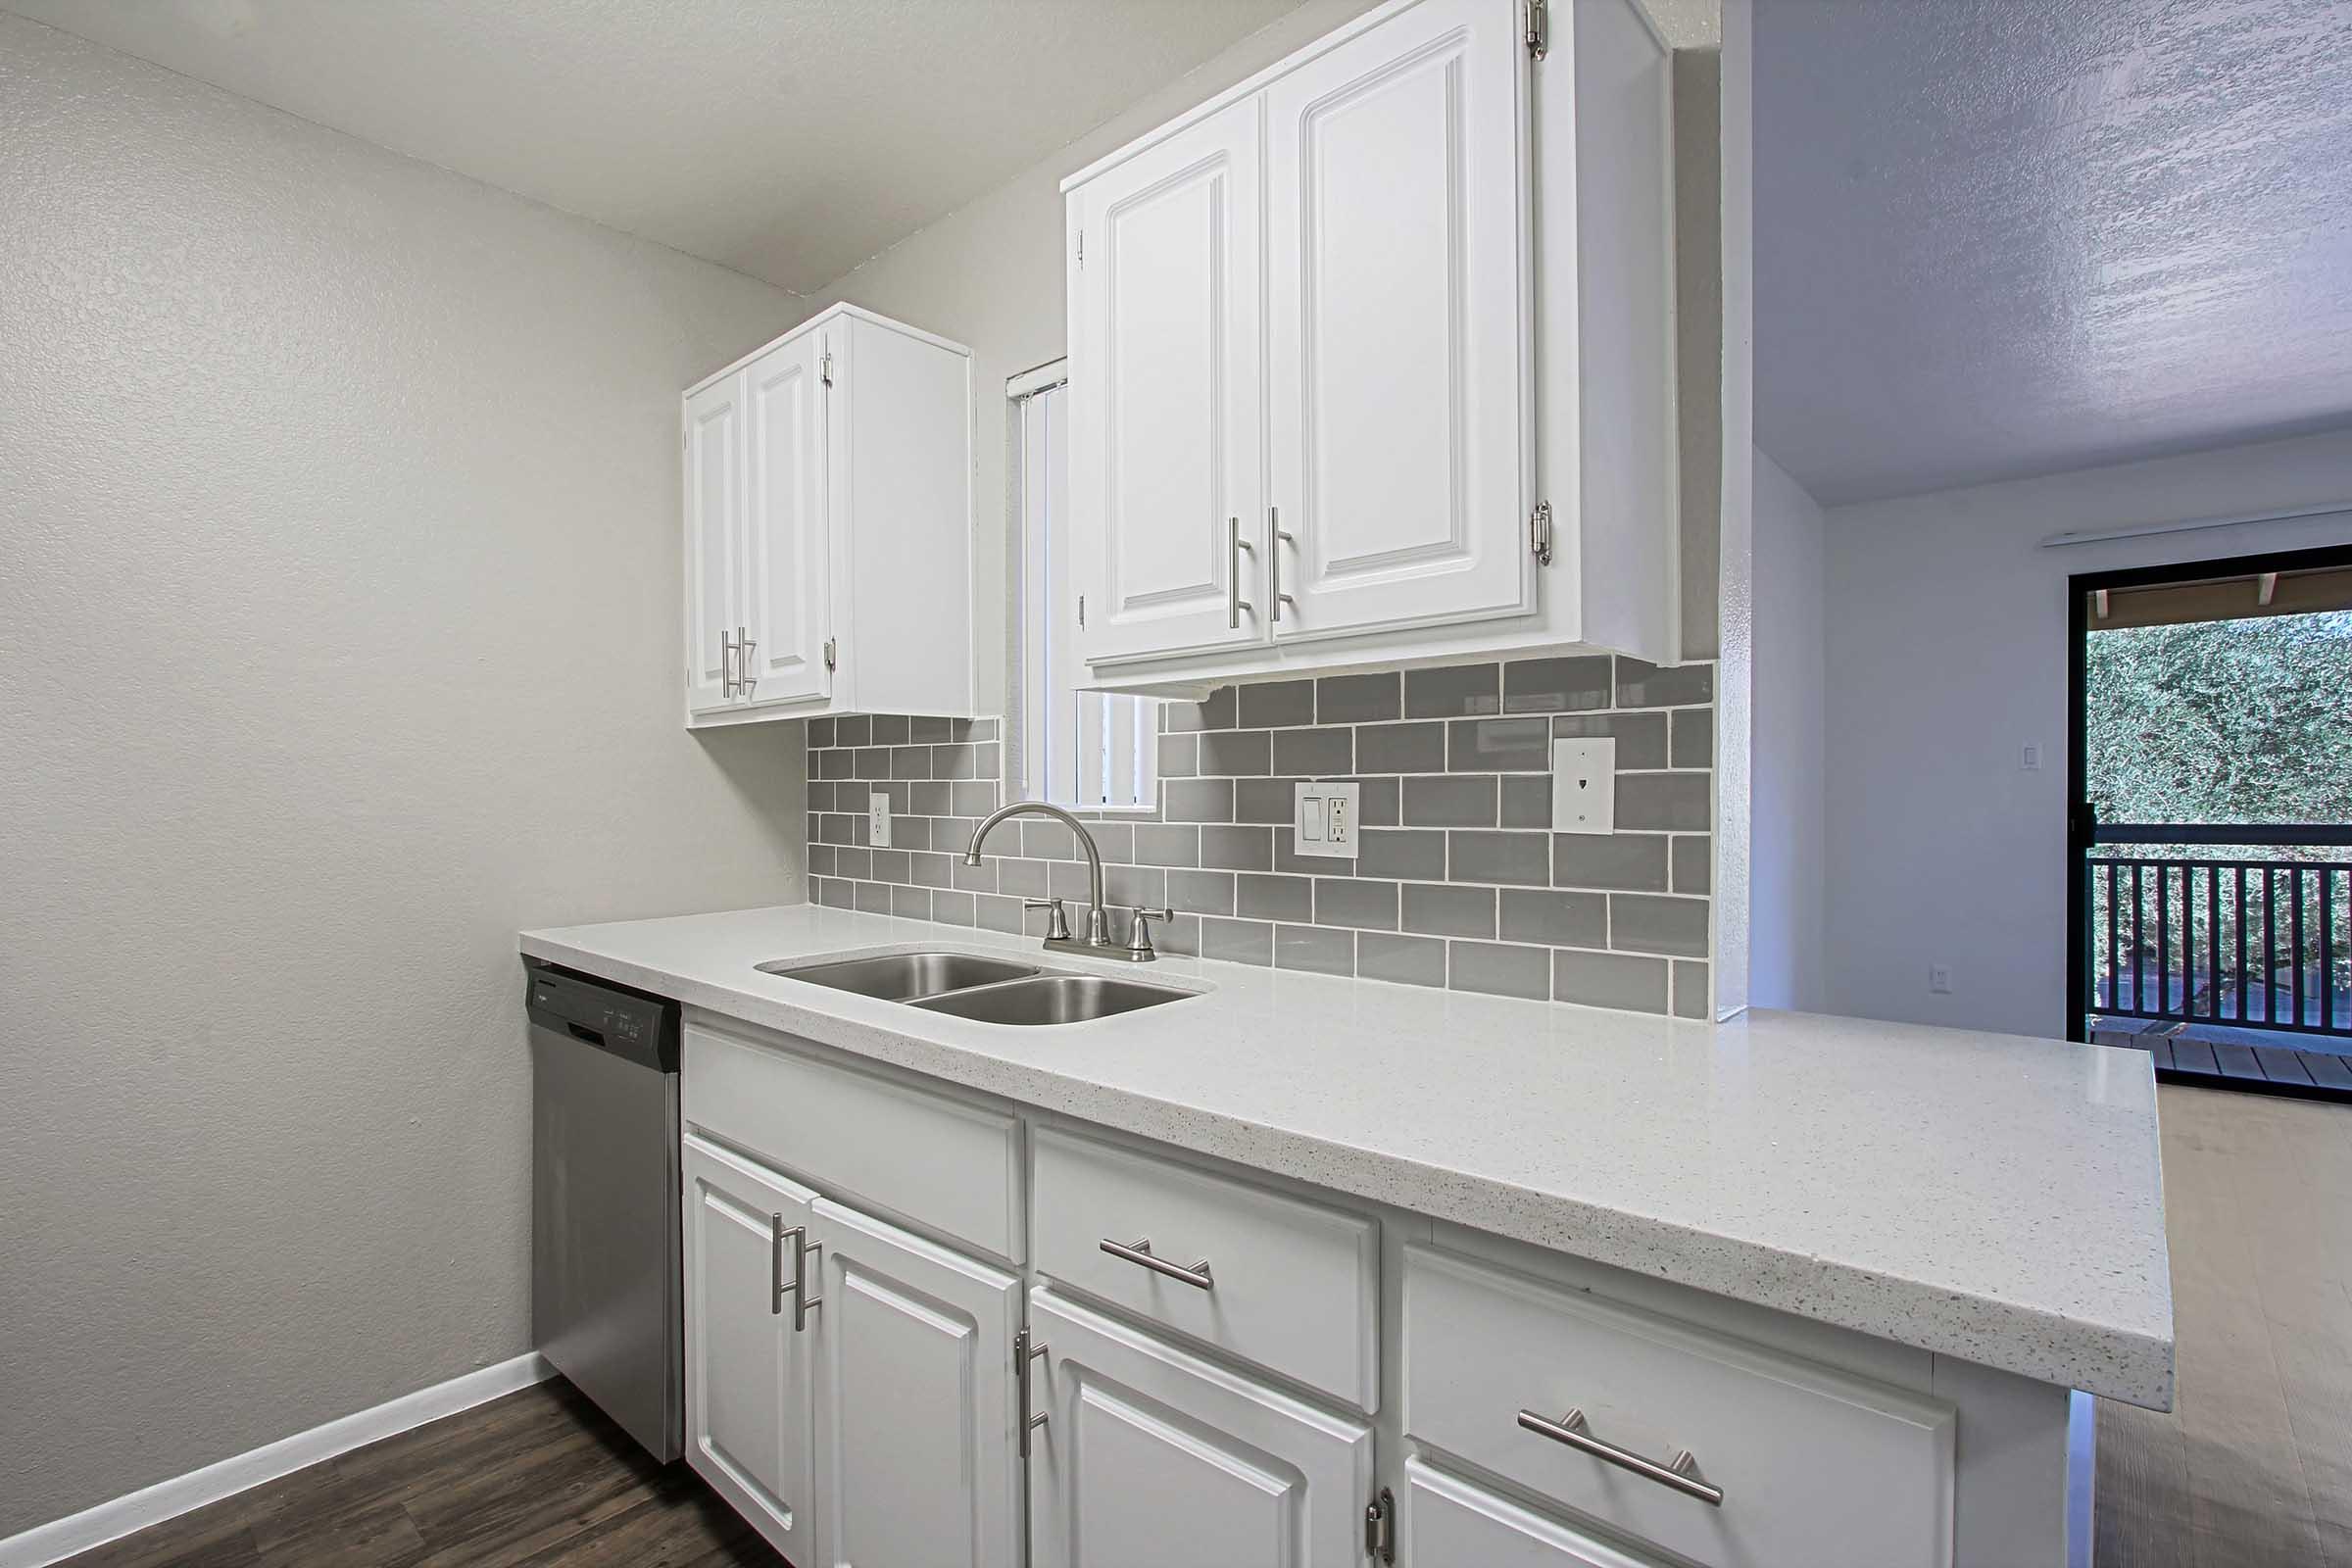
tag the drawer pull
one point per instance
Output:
(1681, 1472)
(1140, 1251)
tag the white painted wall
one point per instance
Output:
(1787, 813)
(1946, 648)
(339, 607)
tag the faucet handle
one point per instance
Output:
(1057, 918)
(1139, 931)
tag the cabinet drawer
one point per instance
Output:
(949, 1166)
(1293, 1287)
(1815, 1466)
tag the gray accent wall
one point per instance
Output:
(1458, 880)
(340, 599)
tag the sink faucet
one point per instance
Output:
(1098, 923)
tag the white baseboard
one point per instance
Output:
(60, 1538)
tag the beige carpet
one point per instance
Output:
(2254, 1467)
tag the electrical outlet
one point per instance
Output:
(878, 819)
(1584, 785)
(1940, 979)
(1323, 824)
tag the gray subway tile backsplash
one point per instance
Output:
(1359, 698)
(1458, 882)
(1408, 748)
(1449, 801)
(1278, 705)
(1313, 947)
(1555, 685)
(1499, 745)
(1328, 753)
(1453, 691)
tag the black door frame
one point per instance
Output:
(2079, 821)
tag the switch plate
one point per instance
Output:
(1584, 785)
(1324, 823)
(878, 819)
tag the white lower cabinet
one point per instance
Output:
(1194, 1357)
(749, 1428)
(1453, 1524)
(1152, 1457)
(915, 1400)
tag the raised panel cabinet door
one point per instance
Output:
(785, 544)
(749, 1405)
(1151, 1457)
(1397, 361)
(1166, 375)
(714, 543)
(915, 1402)
(1449, 1523)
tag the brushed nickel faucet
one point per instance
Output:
(1138, 945)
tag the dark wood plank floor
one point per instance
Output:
(536, 1478)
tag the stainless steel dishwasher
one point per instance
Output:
(605, 1280)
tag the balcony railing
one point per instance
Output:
(2260, 940)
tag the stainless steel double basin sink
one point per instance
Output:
(971, 985)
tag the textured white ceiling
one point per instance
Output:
(788, 138)
(2002, 237)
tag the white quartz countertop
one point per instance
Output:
(1988, 1197)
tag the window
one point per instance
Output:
(1087, 751)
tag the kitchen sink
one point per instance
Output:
(901, 976)
(1052, 999)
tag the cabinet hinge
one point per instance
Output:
(824, 369)
(1082, 610)
(829, 663)
(1539, 533)
(1539, 29)
(1380, 1527)
(1082, 250)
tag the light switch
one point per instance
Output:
(878, 819)
(1323, 823)
(1584, 785)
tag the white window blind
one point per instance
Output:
(1082, 750)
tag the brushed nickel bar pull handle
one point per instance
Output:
(1026, 1351)
(1140, 1251)
(743, 659)
(802, 1301)
(775, 1265)
(726, 663)
(798, 1290)
(1235, 604)
(1274, 563)
(1679, 1473)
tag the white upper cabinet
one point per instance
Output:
(785, 577)
(1396, 253)
(1460, 436)
(713, 453)
(828, 484)
(1169, 460)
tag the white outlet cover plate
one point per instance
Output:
(1324, 823)
(1584, 785)
(878, 819)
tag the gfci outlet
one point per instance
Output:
(1324, 821)
(878, 819)
(1584, 785)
